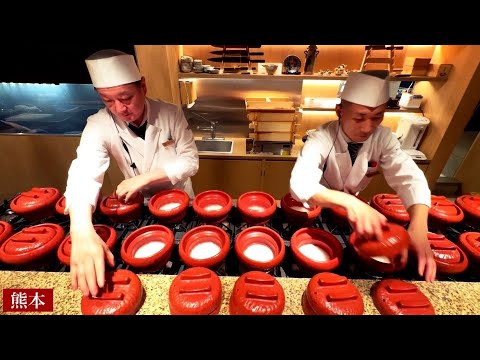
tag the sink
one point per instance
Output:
(215, 146)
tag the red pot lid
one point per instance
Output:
(257, 293)
(331, 294)
(398, 297)
(470, 204)
(6, 230)
(122, 295)
(204, 246)
(119, 211)
(296, 213)
(445, 211)
(148, 247)
(470, 243)
(449, 257)
(395, 239)
(195, 291)
(107, 233)
(316, 249)
(34, 199)
(256, 206)
(259, 248)
(169, 206)
(31, 243)
(60, 205)
(212, 205)
(391, 206)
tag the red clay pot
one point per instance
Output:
(195, 291)
(392, 207)
(296, 213)
(395, 239)
(381, 256)
(316, 250)
(31, 244)
(122, 294)
(6, 230)
(256, 207)
(449, 257)
(259, 248)
(36, 204)
(107, 233)
(119, 212)
(169, 206)
(398, 297)
(148, 248)
(470, 204)
(469, 242)
(443, 213)
(204, 246)
(331, 294)
(212, 206)
(257, 293)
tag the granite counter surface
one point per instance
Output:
(447, 297)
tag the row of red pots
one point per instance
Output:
(258, 248)
(170, 206)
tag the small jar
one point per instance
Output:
(186, 63)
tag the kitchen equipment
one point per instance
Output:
(148, 249)
(123, 294)
(206, 246)
(196, 291)
(316, 250)
(237, 52)
(410, 101)
(292, 65)
(331, 294)
(257, 293)
(235, 59)
(410, 131)
(270, 68)
(398, 297)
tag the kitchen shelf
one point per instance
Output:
(402, 110)
(285, 77)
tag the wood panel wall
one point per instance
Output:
(469, 170)
(42, 161)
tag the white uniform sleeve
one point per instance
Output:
(86, 172)
(187, 153)
(403, 175)
(307, 172)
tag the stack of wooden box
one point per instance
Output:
(272, 119)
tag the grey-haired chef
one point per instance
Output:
(341, 157)
(150, 141)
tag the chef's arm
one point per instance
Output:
(366, 221)
(80, 216)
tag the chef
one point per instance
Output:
(149, 139)
(341, 157)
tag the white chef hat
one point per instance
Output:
(369, 88)
(110, 67)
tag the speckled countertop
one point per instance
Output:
(448, 298)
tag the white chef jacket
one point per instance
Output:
(168, 144)
(381, 149)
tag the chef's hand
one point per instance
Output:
(129, 189)
(366, 221)
(87, 261)
(420, 244)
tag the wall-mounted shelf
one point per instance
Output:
(235, 76)
(402, 110)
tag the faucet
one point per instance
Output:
(212, 128)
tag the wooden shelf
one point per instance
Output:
(236, 76)
(402, 110)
